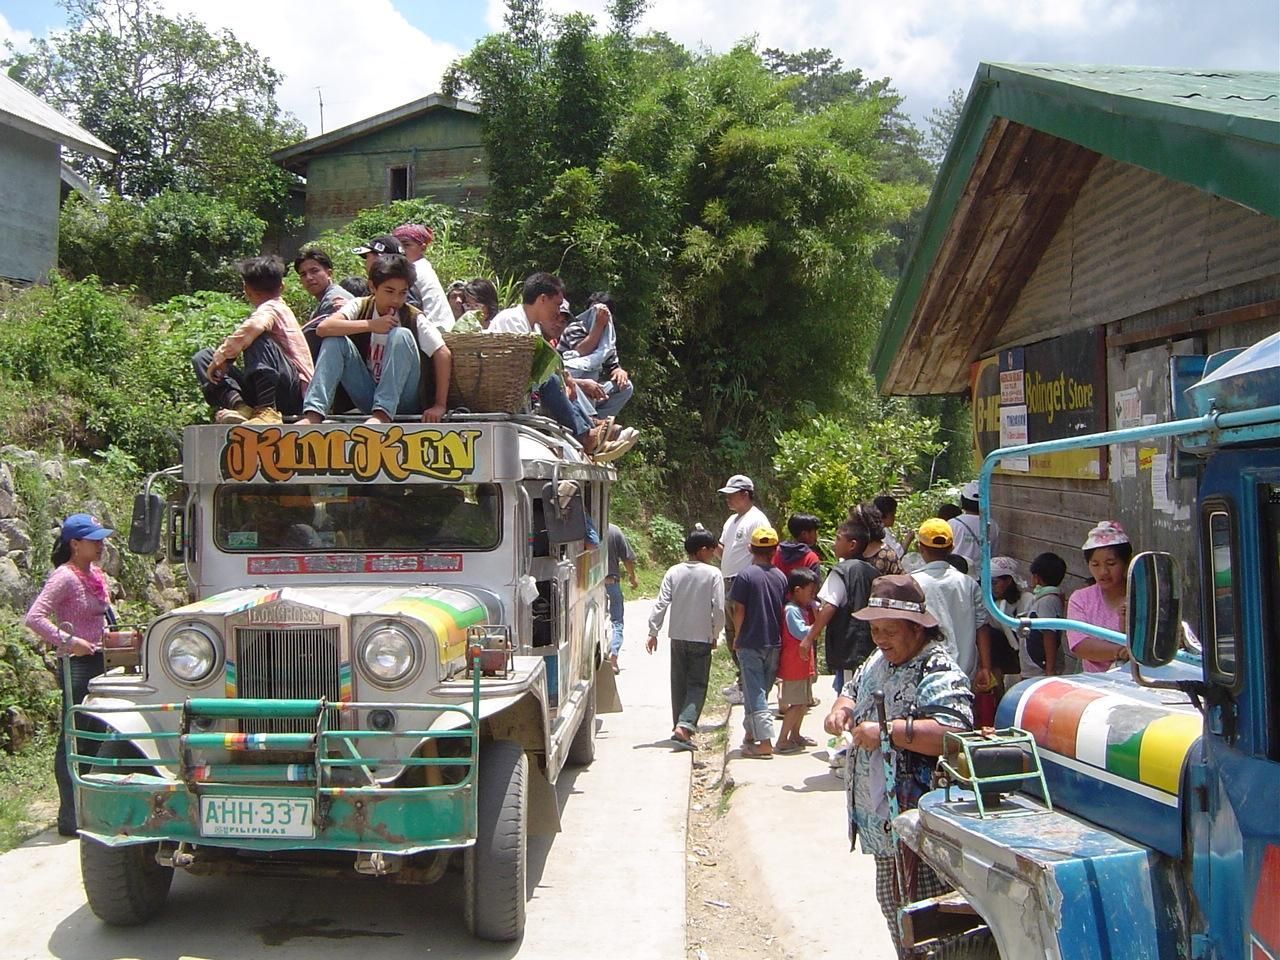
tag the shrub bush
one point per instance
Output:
(176, 242)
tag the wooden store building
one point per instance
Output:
(1088, 224)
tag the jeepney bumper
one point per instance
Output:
(331, 800)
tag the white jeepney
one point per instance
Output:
(395, 646)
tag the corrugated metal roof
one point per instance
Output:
(1217, 130)
(23, 110)
(295, 157)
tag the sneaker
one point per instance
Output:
(611, 450)
(237, 414)
(732, 694)
(264, 416)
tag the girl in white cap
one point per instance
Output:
(1107, 551)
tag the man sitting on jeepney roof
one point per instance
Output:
(371, 346)
(275, 364)
(539, 312)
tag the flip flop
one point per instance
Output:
(679, 744)
(788, 748)
(754, 753)
(802, 742)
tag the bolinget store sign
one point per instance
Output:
(1043, 391)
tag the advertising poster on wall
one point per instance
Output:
(1044, 391)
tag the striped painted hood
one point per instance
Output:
(1114, 752)
(448, 611)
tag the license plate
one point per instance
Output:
(256, 817)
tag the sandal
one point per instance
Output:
(802, 742)
(788, 748)
(752, 752)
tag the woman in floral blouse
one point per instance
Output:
(925, 694)
(69, 615)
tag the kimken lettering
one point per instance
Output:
(362, 453)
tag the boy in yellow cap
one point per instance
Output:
(756, 600)
(956, 600)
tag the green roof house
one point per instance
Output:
(1088, 224)
(428, 148)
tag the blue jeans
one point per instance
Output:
(617, 399)
(759, 671)
(340, 362)
(561, 409)
(616, 607)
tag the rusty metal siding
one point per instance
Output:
(443, 146)
(1135, 241)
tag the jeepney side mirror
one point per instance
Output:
(564, 513)
(1154, 609)
(146, 524)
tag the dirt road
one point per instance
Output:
(611, 884)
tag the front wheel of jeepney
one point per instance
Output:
(125, 886)
(494, 868)
(582, 749)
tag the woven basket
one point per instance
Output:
(490, 370)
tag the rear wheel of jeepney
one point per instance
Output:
(582, 750)
(124, 885)
(494, 869)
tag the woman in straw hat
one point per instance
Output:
(925, 694)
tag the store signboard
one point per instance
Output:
(1043, 391)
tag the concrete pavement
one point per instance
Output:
(611, 884)
(787, 820)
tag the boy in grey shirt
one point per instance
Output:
(694, 590)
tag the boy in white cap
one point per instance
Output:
(966, 530)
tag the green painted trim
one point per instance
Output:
(1226, 154)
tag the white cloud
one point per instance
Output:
(363, 54)
(929, 47)
(21, 39)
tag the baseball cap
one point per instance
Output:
(415, 232)
(896, 597)
(935, 533)
(764, 537)
(1003, 567)
(383, 243)
(1108, 533)
(970, 490)
(81, 526)
(739, 481)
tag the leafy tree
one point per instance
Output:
(176, 242)
(943, 122)
(184, 107)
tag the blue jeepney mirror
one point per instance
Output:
(1154, 609)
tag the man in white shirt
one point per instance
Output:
(734, 550)
(539, 312)
(966, 531)
(426, 293)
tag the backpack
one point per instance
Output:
(848, 640)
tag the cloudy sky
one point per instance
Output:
(366, 56)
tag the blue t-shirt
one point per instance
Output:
(762, 591)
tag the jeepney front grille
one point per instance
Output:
(287, 663)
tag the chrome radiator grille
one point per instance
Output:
(287, 663)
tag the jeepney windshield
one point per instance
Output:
(328, 518)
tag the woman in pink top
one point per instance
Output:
(1107, 551)
(70, 616)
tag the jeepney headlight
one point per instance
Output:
(191, 653)
(388, 654)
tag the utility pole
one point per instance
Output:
(320, 97)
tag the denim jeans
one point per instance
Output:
(616, 607)
(262, 377)
(340, 363)
(759, 671)
(561, 409)
(690, 673)
(83, 669)
(617, 399)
